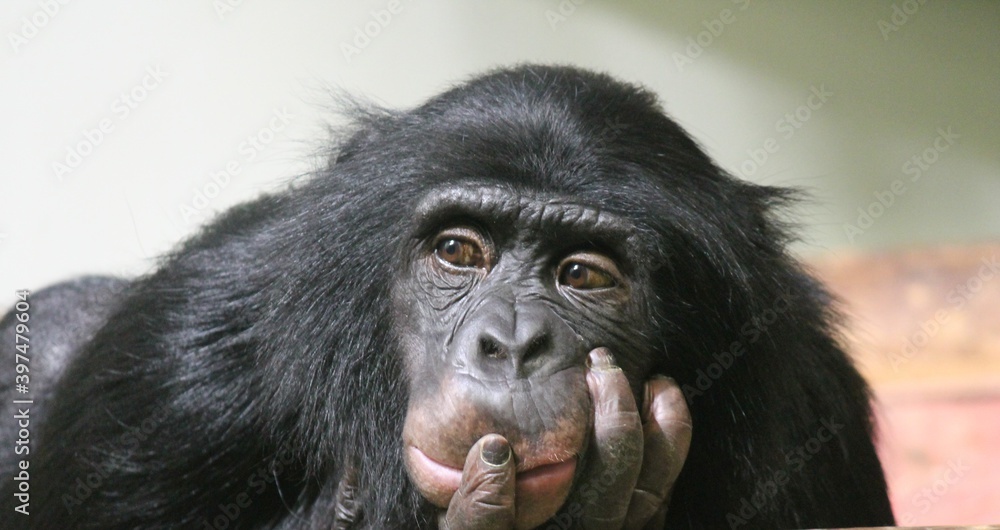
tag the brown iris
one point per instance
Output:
(459, 253)
(581, 276)
(462, 247)
(588, 270)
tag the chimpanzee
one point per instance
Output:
(532, 301)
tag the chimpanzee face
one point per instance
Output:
(503, 296)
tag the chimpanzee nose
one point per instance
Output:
(493, 345)
(505, 339)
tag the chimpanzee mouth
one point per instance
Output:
(540, 480)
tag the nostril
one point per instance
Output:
(538, 346)
(488, 347)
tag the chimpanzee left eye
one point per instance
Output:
(463, 247)
(459, 253)
(587, 270)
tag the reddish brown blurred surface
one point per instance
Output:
(924, 328)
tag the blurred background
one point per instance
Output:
(126, 125)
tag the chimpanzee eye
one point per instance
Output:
(580, 276)
(587, 270)
(459, 253)
(461, 247)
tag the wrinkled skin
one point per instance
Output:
(641, 453)
(637, 458)
(513, 307)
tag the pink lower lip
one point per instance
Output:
(446, 476)
(544, 480)
(539, 480)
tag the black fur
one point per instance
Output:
(261, 354)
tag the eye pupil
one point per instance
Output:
(582, 276)
(459, 252)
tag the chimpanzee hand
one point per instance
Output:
(635, 459)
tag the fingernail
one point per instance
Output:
(662, 377)
(495, 451)
(600, 359)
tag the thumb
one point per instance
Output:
(485, 498)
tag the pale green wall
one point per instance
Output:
(228, 73)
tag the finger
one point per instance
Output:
(658, 521)
(347, 510)
(485, 498)
(616, 456)
(666, 439)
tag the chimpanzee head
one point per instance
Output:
(531, 246)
